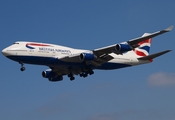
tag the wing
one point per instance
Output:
(131, 43)
(99, 56)
(87, 57)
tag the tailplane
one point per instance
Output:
(151, 57)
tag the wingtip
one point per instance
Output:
(169, 50)
(169, 28)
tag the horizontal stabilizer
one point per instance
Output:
(149, 57)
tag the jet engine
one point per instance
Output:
(122, 48)
(51, 75)
(87, 56)
(58, 78)
(48, 74)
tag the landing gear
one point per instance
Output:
(71, 76)
(85, 74)
(22, 66)
(91, 72)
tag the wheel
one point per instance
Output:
(85, 75)
(81, 75)
(23, 68)
(72, 78)
(70, 75)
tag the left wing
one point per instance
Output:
(89, 58)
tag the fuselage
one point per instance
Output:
(49, 54)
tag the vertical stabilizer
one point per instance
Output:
(143, 47)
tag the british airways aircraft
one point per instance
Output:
(68, 61)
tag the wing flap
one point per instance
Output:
(71, 58)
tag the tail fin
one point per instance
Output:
(143, 47)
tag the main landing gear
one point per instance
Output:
(71, 76)
(22, 66)
(85, 74)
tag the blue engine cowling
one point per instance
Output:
(87, 56)
(51, 76)
(123, 48)
(48, 74)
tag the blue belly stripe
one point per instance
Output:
(50, 61)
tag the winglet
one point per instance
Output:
(169, 28)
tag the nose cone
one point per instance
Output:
(4, 52)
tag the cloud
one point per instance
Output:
(161, 79)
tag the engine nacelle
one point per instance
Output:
(48, 74)
(58, 78)
(122, 48)
(87, 56)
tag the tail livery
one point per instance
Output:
(142, 51)
(143, 47)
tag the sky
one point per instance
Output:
(141, 92)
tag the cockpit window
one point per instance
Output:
(15, 43)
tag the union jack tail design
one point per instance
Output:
(144, 47)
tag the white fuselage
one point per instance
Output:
(46, 54)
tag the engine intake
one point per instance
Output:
(87, 56)
(48, 74)
(122, 48)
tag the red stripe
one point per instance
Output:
(146, 41)
(139, 53)
(36, 44)
(142, 54)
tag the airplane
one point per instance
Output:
(68, 61)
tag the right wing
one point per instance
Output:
(102, 55)
(131, 43)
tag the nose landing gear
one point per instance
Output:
(22, 66)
